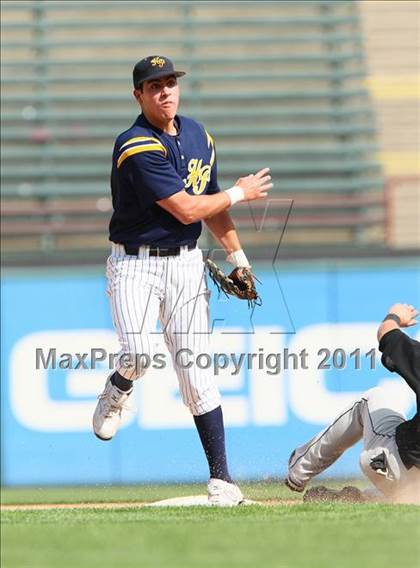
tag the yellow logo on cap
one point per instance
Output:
(159, 61)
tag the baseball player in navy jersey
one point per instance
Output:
(164, 184)
(391, 444)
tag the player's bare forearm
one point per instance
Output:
(192, 208)
(223, 229)
(205, 206)
(386, 326)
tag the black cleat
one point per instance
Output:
(293, 486)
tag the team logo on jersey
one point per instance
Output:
(158, 61)
(198, 176)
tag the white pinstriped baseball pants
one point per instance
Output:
(144, 288)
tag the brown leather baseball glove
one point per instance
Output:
(240, 283)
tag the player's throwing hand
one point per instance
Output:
(255, 186)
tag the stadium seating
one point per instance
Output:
(392, 41)
(277, 84)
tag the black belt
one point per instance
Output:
(158, 251)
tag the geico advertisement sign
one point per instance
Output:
(264, 377)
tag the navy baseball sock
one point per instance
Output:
(212, 435)
(122, 384)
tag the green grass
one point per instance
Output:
(303, 536)
(97, 494)
(146, 493)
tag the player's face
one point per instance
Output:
(159, 99)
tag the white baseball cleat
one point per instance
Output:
(108, 411)
(224, 494)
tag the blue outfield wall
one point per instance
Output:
(46, 413)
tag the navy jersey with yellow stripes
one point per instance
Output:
(150, 165)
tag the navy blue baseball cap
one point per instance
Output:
(153, 67)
